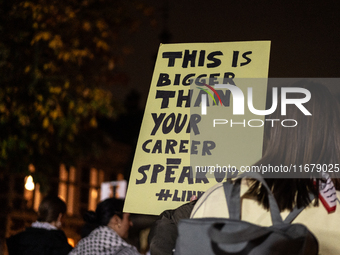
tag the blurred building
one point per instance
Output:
(79, 186)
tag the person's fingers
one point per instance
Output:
(193, 198)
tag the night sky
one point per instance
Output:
(304, 35)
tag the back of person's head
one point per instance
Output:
(103, 214)
(314, 140)
(50, 208)
(107, 209)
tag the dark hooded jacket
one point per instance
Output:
(163, 233)
(38, 241)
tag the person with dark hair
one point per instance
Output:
(314, 141)
(105, 231)
(45, 235)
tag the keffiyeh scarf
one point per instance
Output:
(327, 194)
(103, 240)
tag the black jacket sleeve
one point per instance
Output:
(163, 233)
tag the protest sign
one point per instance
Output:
(194, 123)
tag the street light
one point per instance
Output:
(29, 184)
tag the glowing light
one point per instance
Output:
(29, 184)
(71, 241)
(94, 193)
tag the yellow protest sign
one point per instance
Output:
(197, 125)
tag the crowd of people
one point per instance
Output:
(315, 140)
(104, 231)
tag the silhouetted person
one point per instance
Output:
(45, 235)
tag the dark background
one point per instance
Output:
(304, 35)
